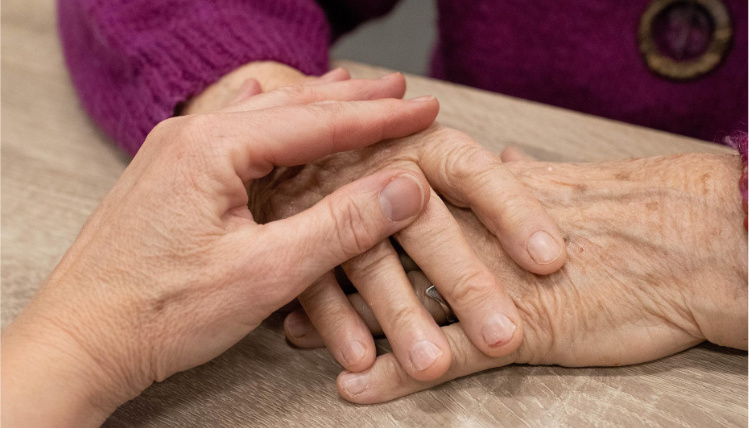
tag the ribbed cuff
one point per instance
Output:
(166, 59)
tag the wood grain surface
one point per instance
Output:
(56, 166)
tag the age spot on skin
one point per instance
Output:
(706, 183)
(652, 205)
(622, 175)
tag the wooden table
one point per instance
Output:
(56, 166)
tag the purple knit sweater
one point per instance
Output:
(134, 61)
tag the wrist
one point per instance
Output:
(65, 363)
(49, 380)
(719, 304)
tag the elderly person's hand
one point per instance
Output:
(657, 264)
(454, 165)
(172, 269)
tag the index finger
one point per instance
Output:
(294, 135)
(469, 175)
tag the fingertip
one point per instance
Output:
(436, 369)
(547, 252)
(247, 90)
(300, 332)
(398, 82)
(404, 197)
(336, 75)
(356, 356)
(424, 111)
(508, 346)
(355, 387)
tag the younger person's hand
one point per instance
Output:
(172, 269)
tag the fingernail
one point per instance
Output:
(353, 383)
(542, 248)
(389, 76)
(353, 352)
(424, 98)
(424, 354)
(401, 198)
(296, 326)
(498, 330)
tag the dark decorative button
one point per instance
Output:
(684, 39)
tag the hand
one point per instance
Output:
(465, 174)
(455, 165)
(657, 264)
(171, 269)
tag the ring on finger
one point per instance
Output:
(435, 295)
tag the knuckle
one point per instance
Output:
(468, 163)
(165, 127)
(367, 264)
(403, 319)
(459, 347)
(472, 288)
(539, 332)
(297, 93)
(195, 133)
(355, 229)
(515, 207)
(313, 296)
(450, 136)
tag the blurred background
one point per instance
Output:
(402, 40)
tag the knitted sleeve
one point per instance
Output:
(133, 61)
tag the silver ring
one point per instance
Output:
(435, 295)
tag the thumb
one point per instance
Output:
(347, 223)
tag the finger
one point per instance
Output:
(436, 243)
(304, 334)
(342, 225)
(342, 331)
(335, 75)
(309, 338)
(387, 379)
(247, 90)
(468, 175)
(421, 283)
(288, 136)
(415, 338)
(514, 154)
(392, 86)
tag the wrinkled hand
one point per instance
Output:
(456, 165)
(657, 263)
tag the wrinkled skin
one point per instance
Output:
(657, 259)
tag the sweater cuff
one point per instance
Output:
(166, 59)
